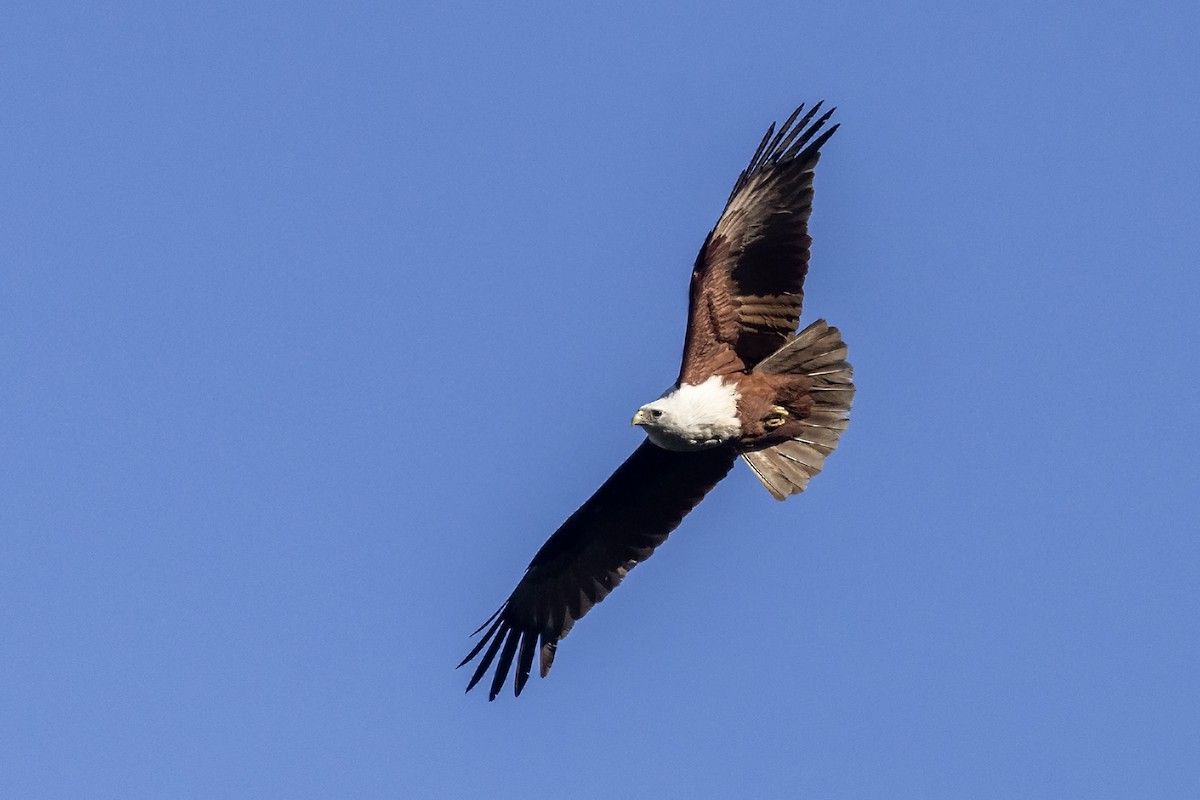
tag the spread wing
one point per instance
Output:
(748, 282)
(618, 527)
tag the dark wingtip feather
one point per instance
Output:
(788, 134)
(783, 130)
(525, 661)
(488, 621)
(497, 635)
(479, 645)
(505, 662)
(787, 143)
(813, 150)
(802, 134)
(762, 148)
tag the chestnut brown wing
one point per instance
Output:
(747, 285)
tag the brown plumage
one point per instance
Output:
(744, 306)
(749, 385)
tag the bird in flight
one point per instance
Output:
(749, 386)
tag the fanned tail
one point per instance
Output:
(819, 352)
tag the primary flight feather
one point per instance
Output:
(749, 385)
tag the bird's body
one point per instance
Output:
(753, 410)
(749, 386)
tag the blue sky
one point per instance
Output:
(315, 321)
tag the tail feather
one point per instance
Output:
(819, 352)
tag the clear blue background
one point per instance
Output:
(315, 321)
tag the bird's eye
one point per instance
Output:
(656, 413)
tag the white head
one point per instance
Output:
(693, 416)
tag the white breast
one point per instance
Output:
(696, 416)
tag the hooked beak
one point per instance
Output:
(641, 417)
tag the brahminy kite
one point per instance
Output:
(750, 386)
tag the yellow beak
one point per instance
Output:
(640, 418)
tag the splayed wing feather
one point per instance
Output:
(506, 657)
(525, 659)
(496, 631)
